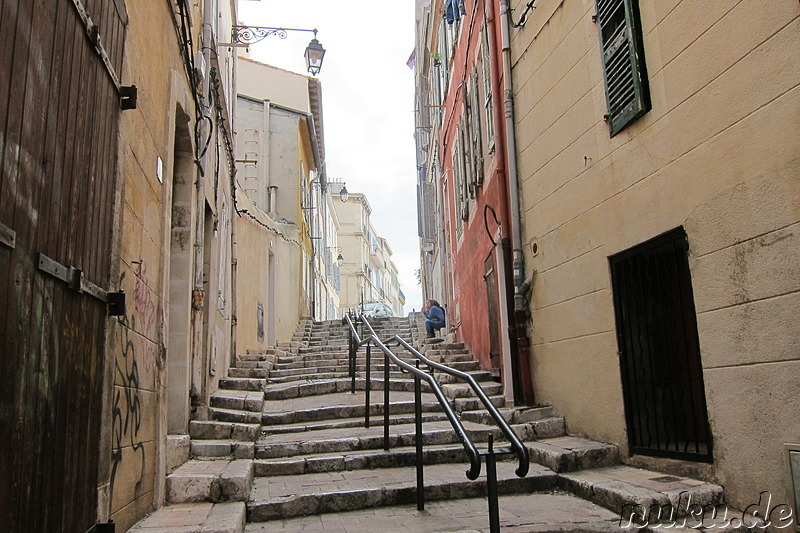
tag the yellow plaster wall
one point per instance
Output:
(717, 154)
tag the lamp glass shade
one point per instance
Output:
(340, 260)
(314, 54)
(343, 194)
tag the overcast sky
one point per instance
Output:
(367, 101)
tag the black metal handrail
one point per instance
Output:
(520, 449)
(474, 457)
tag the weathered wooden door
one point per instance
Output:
(59, 109)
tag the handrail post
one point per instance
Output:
(353, 355)
(418, 424)
(491, 488)
(367, 387)
(350, 359)
(385, 402)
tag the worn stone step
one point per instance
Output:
(302, 388)
(350, 439)
(570, 454)
(634, 491)
(285, 496)
(361, 460)
(540, 512)
(352, 422)
(251, 373)
(213, 481)
(335, 408)
(235, 415)
(201, 517)
(215, 448)
(215, 429)
(512, 415)
(249, 384)
(462, 390)
(473, 403)
(238, 400)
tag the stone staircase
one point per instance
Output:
(299, 457)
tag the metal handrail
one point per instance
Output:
(519, 448)
(474, 457)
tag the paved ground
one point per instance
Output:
(539, 512)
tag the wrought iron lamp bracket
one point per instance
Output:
(254, 34)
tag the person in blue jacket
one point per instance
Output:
(435, 317)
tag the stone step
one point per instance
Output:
(212, 481)
(251, 373)
(360, 438)
(256, 363)
(474, 404)
(362, 460)
(337, 407)
(571, 454)
(214, 429)
(285, 496)
(512, 415)
(633, 491)
(249, 384)
(352, 422)
(238, 400)
(302, 388)
(213, 448)
(542, 512)
(461, 390)
(201, 517)
(235, 415)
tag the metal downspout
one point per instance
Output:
(515, 214)
(198, 292)
(511, 157)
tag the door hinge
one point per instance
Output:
(8, 236)
(75, 280)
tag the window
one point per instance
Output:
(459, 188)
(475, 131)
(624, 72)
(487, 88)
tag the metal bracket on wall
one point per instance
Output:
(107, 527)
(128, 95)
(74, 279)
(8, 236)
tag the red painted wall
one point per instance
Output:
(473, 247)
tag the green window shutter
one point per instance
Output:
(624, 72)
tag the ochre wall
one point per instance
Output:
(718, 155)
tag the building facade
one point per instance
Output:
(367, 269)
(646, 165)
(467, 225)
(120, 182)
(657, 146)
(284, 270)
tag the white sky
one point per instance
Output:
(367, 104)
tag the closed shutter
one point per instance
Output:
(627, 93)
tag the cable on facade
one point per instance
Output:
(486, 208)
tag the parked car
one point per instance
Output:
(376, 310)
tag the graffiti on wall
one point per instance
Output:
(127, 441)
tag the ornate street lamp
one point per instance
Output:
(314, 54)
(343, 194)
(252, 34)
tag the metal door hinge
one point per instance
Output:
(128, 97)
(8, 236)
(74, 279)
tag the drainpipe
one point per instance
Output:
(515, 215)
(198, 291)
